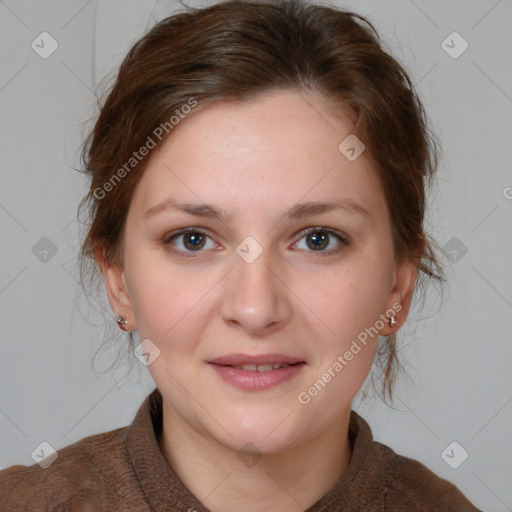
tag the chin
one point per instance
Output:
(262, 435)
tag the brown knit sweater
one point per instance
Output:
(124, 470)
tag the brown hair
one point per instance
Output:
(235, 51)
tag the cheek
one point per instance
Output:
(345, 301)
(168, 304)
(346, 306)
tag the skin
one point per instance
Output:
(255, 160)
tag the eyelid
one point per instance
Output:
(332, 231)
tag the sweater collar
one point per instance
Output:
(163, 489)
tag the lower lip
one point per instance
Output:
(256, 381)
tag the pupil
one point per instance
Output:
(194, 240)
(318, 238)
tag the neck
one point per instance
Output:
(292, 480)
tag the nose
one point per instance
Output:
(255, 297)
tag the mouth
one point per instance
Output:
(256, 373)
(260, 367)
(260, 363)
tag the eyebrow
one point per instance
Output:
(297, 211)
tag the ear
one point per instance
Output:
(400, 297)
(117, 290)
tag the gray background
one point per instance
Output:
(458, 353)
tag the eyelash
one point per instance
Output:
(344, 240)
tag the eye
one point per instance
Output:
(193, 241)
(318, 238)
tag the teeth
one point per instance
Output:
(260, 367)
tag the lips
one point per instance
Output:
(257, 372)
(262, 362)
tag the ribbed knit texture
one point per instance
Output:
(124, 470)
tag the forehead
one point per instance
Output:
(271, 152)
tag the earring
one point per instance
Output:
(392, 321)
(121, 320)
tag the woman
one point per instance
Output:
(258, 176)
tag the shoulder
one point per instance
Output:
(410, 485)
(75, 480)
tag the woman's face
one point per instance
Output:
(254, 283)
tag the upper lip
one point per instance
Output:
(242, 359)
